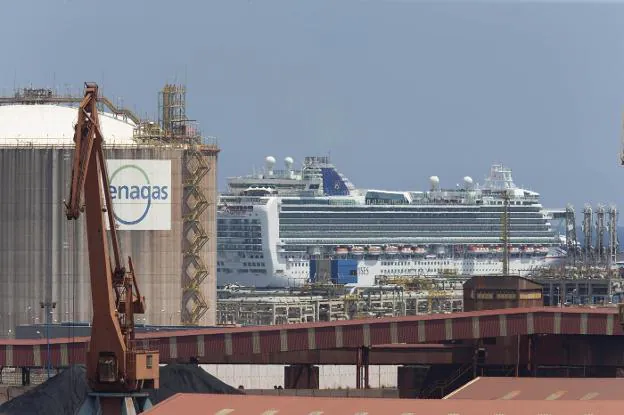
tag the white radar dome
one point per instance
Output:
(288, 161)
(468, 181)
(269, 163)
(435, 182)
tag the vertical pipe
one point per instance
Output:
(505, 233)
(358, 369)
(475, 353)
(518, 355)
(530, 354)
(47, 317)
(365, 360)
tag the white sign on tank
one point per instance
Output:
(141, 194)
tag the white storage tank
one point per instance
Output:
(43, 255)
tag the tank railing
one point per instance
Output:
(42, 144)
(52, 98)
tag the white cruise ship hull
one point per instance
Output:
(267, 264)
(286, 229)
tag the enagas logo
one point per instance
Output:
(134, 194)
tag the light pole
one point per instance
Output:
(171, 315)
(48, 306)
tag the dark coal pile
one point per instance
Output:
(65, 393)
(180, 378)
(62, 394)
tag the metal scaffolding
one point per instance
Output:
(195, 270)
(172, 111)
(587, 234)
(613, 236)
(570, 230)
(364, 302)
(505, 233)
(199, 202)
(600, 235)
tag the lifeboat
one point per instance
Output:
(478, 249)
(391, 250)
(374, 250)
(543, 250)
(406, 250)
(420, 250)
(357, 250)
(341, 250)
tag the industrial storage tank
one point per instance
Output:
(164, 195)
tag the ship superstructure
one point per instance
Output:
(290, 227)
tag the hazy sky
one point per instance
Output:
(395, 90)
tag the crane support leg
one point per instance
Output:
(103, 362)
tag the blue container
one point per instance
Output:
(338, 271)
(344, 271)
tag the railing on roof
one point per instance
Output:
(145, 132)
(56, 144)
(32, 96)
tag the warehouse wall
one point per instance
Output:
(330, 376)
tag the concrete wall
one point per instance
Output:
(330, 376)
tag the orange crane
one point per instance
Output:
(116, 366)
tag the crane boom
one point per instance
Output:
(114, 363)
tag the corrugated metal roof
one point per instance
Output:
(497, 282)
(541, 389)
(256, 405)
(249, 341)
(54, 125)
(456, 317)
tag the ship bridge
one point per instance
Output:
(556, 213)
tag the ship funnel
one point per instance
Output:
(269, 162)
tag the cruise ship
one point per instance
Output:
(289, 227)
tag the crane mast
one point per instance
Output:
(115, 363)
(505, 233)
